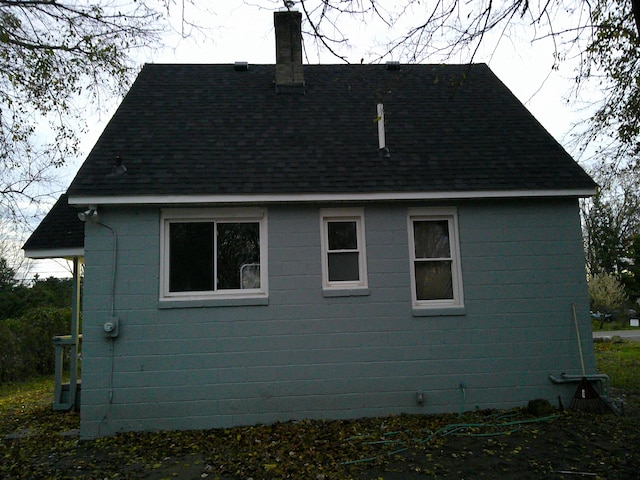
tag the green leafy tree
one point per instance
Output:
(610, 221)
(606, 293)
(603, 238)
(611, 230)
(630, 275)
(17, 299)
(51, 292)
(27, 349)
(612, 61)
(7, 276)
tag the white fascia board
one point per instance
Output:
(85, 200)
(55, 253)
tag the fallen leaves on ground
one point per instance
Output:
(481, 444)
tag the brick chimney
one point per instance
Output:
(289, 74)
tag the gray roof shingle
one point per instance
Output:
(212, 130)
(60, 233)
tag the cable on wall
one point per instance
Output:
(114, 268)
(112, 300)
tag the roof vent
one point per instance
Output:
(383, 150)
(393, 66)
(241, 66)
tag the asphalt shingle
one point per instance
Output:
(60, 230)
(211, 130)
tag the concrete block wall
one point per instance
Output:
(305, 355)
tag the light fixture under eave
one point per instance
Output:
(90, 215)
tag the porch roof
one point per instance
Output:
(59, 235)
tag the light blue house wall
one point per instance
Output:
(305, 355)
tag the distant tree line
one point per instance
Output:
(611, 233)
(30, 315)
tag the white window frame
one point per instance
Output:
(343, 215)
(253, 215)
(437, 214)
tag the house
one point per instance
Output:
(275, 242)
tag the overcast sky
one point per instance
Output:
(241, 32)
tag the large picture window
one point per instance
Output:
(343, 249)
(213, 253)
(435, 260)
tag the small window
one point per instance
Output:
(435, 259)
(213, 254)
(343, 249)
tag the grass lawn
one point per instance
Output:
(621, 361)
(618, 324)
(25, 393)
(481, 444)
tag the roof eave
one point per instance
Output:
(68, 253)
(86, 200)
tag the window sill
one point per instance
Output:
(213, 302)
(438, 311)
(346, 292)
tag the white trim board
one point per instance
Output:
(317, 197)
(54, 253)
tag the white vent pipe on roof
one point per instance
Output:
(382, 142)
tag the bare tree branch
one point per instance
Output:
(51, 53)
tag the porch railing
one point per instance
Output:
(67, 395)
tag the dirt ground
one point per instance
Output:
(514, 444)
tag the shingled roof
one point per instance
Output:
(215, 130)
(59, 235)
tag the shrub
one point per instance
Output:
(27, 347)
(606, 293)
(17, 300)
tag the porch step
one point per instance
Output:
(64, 403)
